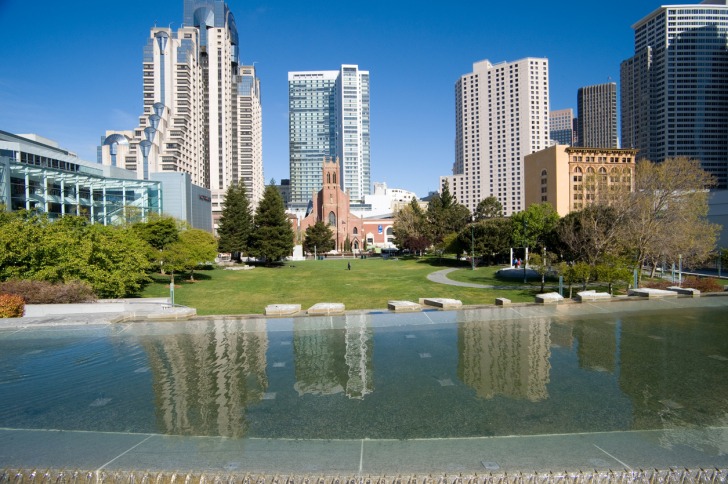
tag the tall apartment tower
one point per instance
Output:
(597, 111)
(328, 113)
(202, 110)
(501, 115)
(561, 127)
(674, 90)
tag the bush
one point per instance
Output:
(11, 306)
(43, 292)
(703, 284)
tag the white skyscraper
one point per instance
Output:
(202, 110)
(328, 117)
(501, 115)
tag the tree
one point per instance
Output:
(488, 207)
(445, 215)
(159, 231)
(319, 238)
(591, 234)
(541, 263)
(668, 214)
(236, 222)
(410, 228)
(491, 236)
(272, 234)
(533, 226)
(113, 260)
(193, 248)
(613, 269)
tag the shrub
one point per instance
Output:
(703, 284)
(43, 292)
(11, 306)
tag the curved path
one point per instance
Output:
(441, 278)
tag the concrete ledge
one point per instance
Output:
(403, 306)
(282, 309)
(325, 309)
(684, 291)
(441, 303)
(502, 301)
(651, 293)
(592, 296)
(173, 314)
(549, 298)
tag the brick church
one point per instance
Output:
(331, 205)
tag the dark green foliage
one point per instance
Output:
(491, 237)
(532, 227)
(236, 222)
(272, 237)
(489, 207)
(319, 238)
(445, 216)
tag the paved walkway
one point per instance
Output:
(441, 278)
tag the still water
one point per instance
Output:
(425, 375)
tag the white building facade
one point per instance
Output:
(501, 115)
(328, 117)
(202, 111)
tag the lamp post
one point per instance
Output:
(525, 249)
(472, 244)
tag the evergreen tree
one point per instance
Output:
(236, 222)
(489, 207)
(445, 215)
(319, 238)
(272, 237)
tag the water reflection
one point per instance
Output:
(507, 358)
(331, 361)
(203, 380)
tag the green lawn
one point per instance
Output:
(369, 285)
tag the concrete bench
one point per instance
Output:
(592, 296)
(403, 306)
(651, 293)
(441, 303)
(549, 298)
(502, 301)
(326, 309)
(282, 309)
(684, 291)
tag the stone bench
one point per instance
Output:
(651, 293)
(403, 306)
(326, 309)
(592, 296)
(282, 309)
(684, 291)
(502, 301)
(441, 303)
(549, 298)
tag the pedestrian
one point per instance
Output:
(348, 266)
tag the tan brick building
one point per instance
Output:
(569, 178)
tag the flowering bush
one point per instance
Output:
(11, 306)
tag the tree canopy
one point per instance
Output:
(272, 237)
(319, 238)
(236, 221)
(489, 207)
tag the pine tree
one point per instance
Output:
(272, 237)
(319, 238)
(236, 222)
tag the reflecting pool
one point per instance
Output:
(377, 376)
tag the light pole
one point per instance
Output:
(472, 244)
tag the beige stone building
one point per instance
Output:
(569, 178)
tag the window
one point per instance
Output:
(332, 219)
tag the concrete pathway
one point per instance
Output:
(441, 278)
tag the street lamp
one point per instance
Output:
(472, 243)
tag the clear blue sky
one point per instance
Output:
(72, 69)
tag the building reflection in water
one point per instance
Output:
(507, 358)
(204, 376)
(332, 361)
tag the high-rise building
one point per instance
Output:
(561, 126)
(202, 112)
(328, 117)
(674, 90)
(501, 115)
(597, 111)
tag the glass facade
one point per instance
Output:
(37, 177)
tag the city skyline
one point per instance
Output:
(84, 74)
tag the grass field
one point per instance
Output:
(368, 285)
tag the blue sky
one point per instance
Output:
(71, 70)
